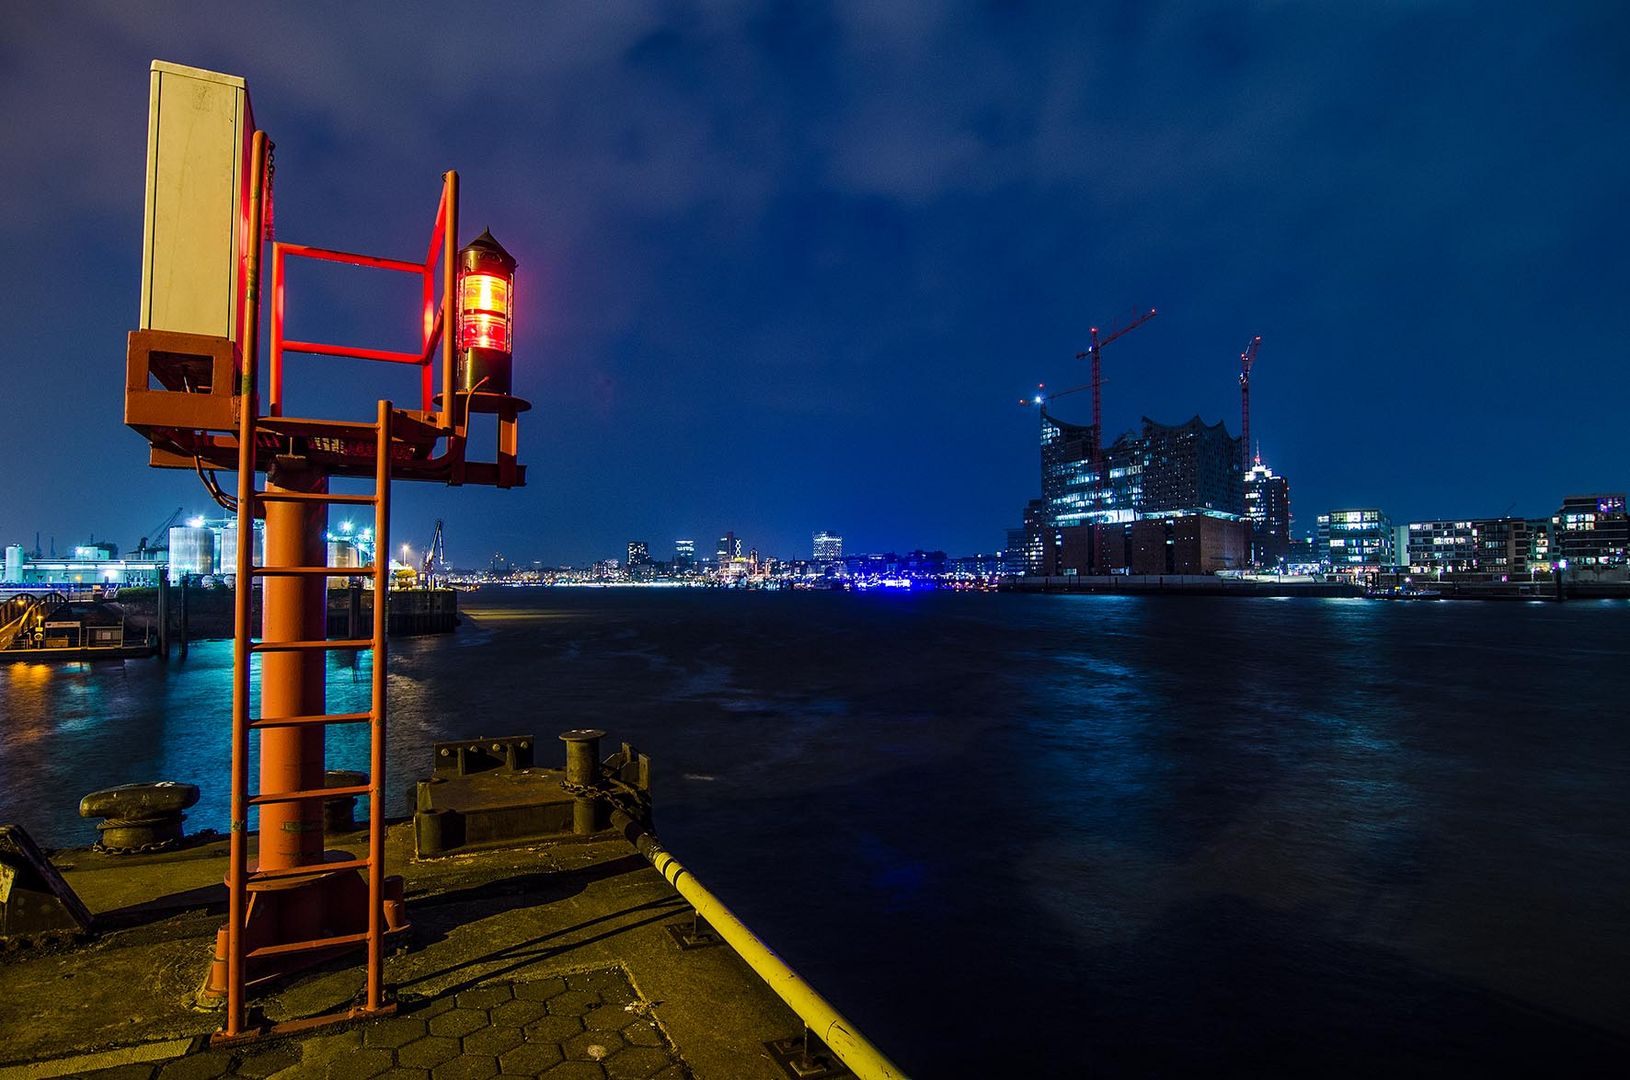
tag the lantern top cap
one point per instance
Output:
(487, 246)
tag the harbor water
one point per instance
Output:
(1016, 836)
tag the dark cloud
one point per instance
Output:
(784, 265)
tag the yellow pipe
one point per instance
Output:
(866, 1061)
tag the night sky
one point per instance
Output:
(789, 267)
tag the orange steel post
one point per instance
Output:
(376, 767)
(238, 846)
(292, 682)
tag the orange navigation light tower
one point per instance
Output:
(194, 391)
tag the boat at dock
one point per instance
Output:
(1403, 592)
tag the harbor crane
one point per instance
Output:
(434, 553)
(1095, 352)
(1042, 396)
(1246, 359)
(158, 538)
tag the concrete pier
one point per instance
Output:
(550, 960)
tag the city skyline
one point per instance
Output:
(814, 254)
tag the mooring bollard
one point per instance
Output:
(339, 815)
(583, 774)
(139, 817)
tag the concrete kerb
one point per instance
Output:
(80, 1064)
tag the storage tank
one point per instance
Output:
(227, 564)
(192, 551)
(342, 553)
(14, 564)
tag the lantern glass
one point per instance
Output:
(485, 305)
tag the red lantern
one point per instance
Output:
(486, 298)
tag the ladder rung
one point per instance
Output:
(319, 718)
(307, 646)
(307, 796)
(303, 871)
(314, 496)
(312, 571)
(308, 946)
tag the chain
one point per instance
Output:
(203, 836)
(269, 232)
(582, 791)
(633, 801)
(139, 849)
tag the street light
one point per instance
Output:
(486, 318)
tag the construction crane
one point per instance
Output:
(1041, 397)
(160, 537)
(434, 552)
(1095, 351)
(1246, 359)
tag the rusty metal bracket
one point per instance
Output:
(696, 934)
(807, 1058)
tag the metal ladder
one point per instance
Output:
(239, 875)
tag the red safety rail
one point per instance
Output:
(443, 250)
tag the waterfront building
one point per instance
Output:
(1539, 543)
(1440, 547)
(1503, 545)
(639, 553)
(978, 565)
(684, 555)
(728, 550)
(1039, 537)
(828, 547)
(1360, 539)
(1013, 555)
(1162, 471)
(1159, 544)
(1267, 513)
(1164, 468)
(1591, 530)
(1304, 550)
(1190, 468)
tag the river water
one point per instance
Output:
(1016, 836)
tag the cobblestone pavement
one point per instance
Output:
(581, 1026)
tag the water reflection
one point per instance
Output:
(1304, 836)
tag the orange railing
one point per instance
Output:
(436, 317)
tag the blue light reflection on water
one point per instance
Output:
(77, 727)
(1178, 834)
